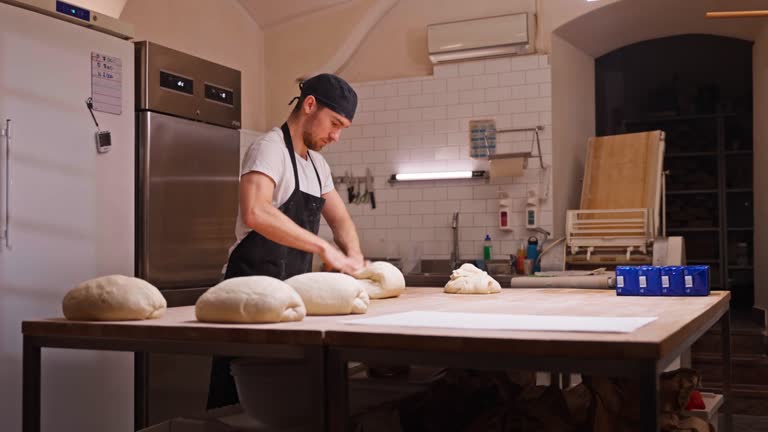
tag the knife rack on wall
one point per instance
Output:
(360, 189)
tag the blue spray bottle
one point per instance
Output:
(532, 253)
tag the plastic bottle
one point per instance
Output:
(533, 251)
(521, 258)
(487, 246)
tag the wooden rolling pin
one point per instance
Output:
(738, 14)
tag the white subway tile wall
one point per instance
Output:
(422, 125)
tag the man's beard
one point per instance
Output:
(311, 142)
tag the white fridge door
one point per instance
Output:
(71, 213)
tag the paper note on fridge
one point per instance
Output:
(481, 321)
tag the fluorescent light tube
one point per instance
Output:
(444, 175)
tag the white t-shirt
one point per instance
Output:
(269, 155)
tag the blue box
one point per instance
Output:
(672, 281)
(649, 280)
(696, 280)
(626, 281)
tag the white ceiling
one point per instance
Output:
(267, 13)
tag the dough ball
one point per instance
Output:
(469, 279)
(382, 280)
(250, 299)
(113, 298)
(331, 293)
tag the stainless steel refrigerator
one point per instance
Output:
(187, 163)
(188, 116)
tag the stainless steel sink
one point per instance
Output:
(436, 273)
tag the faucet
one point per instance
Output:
(454, 260)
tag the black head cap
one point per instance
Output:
(332, 92)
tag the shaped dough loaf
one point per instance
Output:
(382, 280)
(113, 298)
(469, 279)
(330, 293)
(250, 299)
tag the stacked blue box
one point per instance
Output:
(626, 281)
(672, 281)
(696, 280)
(649, 280)
(662, 281)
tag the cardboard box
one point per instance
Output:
(649, 281)
(696, 280)
(672, 281)
(662, 281)
(626, 281)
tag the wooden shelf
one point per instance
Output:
(663, 118)
(738, 190)
(737, 228)
(704, 261)
(738, 152)
(694, 229)
(736, 267)
(691, 192)
(690, 154)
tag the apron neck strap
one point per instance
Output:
(289, 145)
(317, 174)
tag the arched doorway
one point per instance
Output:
(698, 89)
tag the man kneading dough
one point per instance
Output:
(285, 186)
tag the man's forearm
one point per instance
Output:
(276, 226)
(345, 236)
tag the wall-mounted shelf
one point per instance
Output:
(496, 156)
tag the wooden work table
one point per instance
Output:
(329, 343)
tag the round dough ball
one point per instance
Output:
(469, 279)
(250, 299)
(330, 293)
(382, 280)
(113, 298)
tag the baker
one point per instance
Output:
(285, 185)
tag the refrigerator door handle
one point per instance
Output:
(6, 227)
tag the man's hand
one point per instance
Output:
(337, 260)
(359, 260)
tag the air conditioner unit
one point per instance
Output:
(483, 37)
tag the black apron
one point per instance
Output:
(256, 255)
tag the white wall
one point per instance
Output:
(573, 111)
(422, 125)
(218, 31)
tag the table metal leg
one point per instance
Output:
(316, 363)
(31, 386)
(649, 398)
(337, 399)
(140, 390)
(725, 334)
